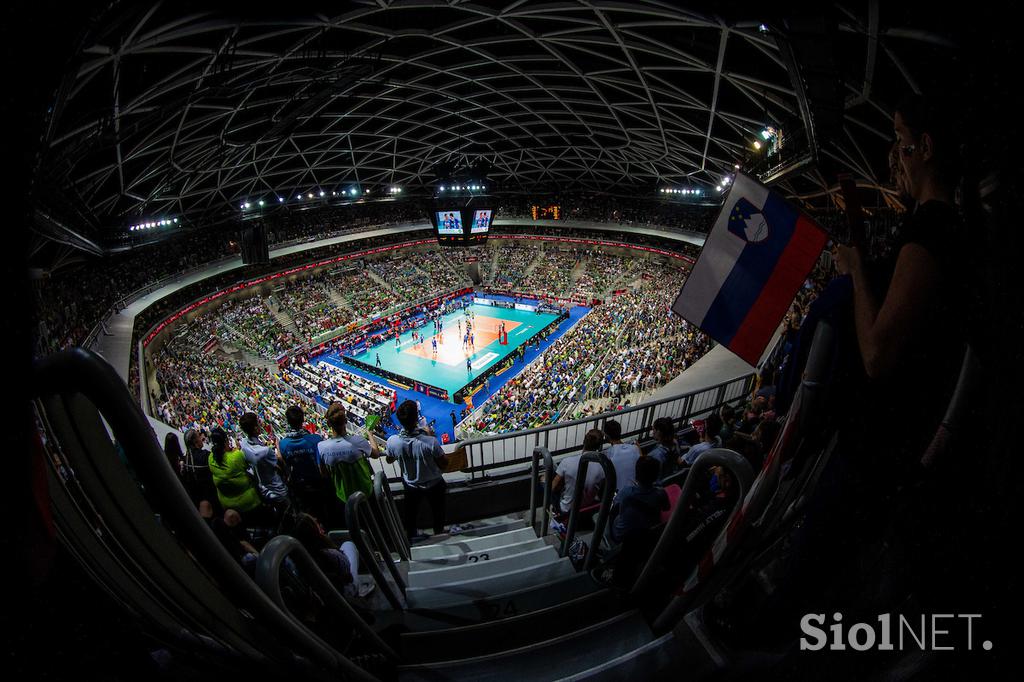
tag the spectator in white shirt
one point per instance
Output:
(564, 483)
(265, 460)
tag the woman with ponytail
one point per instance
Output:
(235, 488)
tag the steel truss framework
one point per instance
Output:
(189, 114)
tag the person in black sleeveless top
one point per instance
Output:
(910, 309)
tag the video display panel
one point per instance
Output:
(449, 223)
(481, 221)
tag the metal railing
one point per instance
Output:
(586, 459)
(358, 513)
(268, 577)
(387, 511)
(188, 581)
(672, 535)
(549, 475)
(483, 454)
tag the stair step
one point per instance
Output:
(461, 559)
(469, 590)
(480, 566)
(554, 659)
(655, 660)
(464, 544)
(496, 607)
(517, 631)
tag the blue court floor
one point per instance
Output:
(452, 374)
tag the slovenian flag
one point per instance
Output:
(758, 254)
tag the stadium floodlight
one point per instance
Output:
(322, 192)
(261, 202)
(442, 188)
(763, 28)
(719, 188)
(757, 144)
(736, 166)
(766, 133)
(310, 195)
(353, 191)
(175, 220)
(280, 200)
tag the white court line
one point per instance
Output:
(522, 330)
(484, 360)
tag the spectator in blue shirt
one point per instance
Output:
(712, 427)
(310, 487)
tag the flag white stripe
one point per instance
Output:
(721, 251)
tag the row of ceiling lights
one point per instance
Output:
(150, 224)
(321, 194)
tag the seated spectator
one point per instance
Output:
(622, 455)
(344, 457)
(421, 459)
(298, 448)
(195, 470)
(757, 445)
(564, 484)
(638, 506)
(712, 429)
(235, 487)
(728, 415)
(266, 461)
(666, 448)
(339, 564)
(232, 535)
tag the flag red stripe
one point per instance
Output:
(796, 261)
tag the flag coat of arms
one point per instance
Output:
(757, 255)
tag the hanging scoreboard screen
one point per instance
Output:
(449, 222)
(461, 226)
(481, 222)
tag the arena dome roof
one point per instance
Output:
(171, 109)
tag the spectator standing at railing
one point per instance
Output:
(344, 457)
(195, 470)
(421, 459)
(266, 461)
(299, 449)
(622, 455)
(235, 488)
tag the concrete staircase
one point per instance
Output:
(340, 301)
(379, 280)
(281, 315)
(496, 602)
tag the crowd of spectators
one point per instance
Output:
(630, 344)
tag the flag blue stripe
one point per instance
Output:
(753, 268)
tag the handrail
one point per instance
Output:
(354, 513)
(549, 475)
(389, 514)
(606, 504)
(268, 577)
(83, 372)
(692, 403)
(670, 536)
